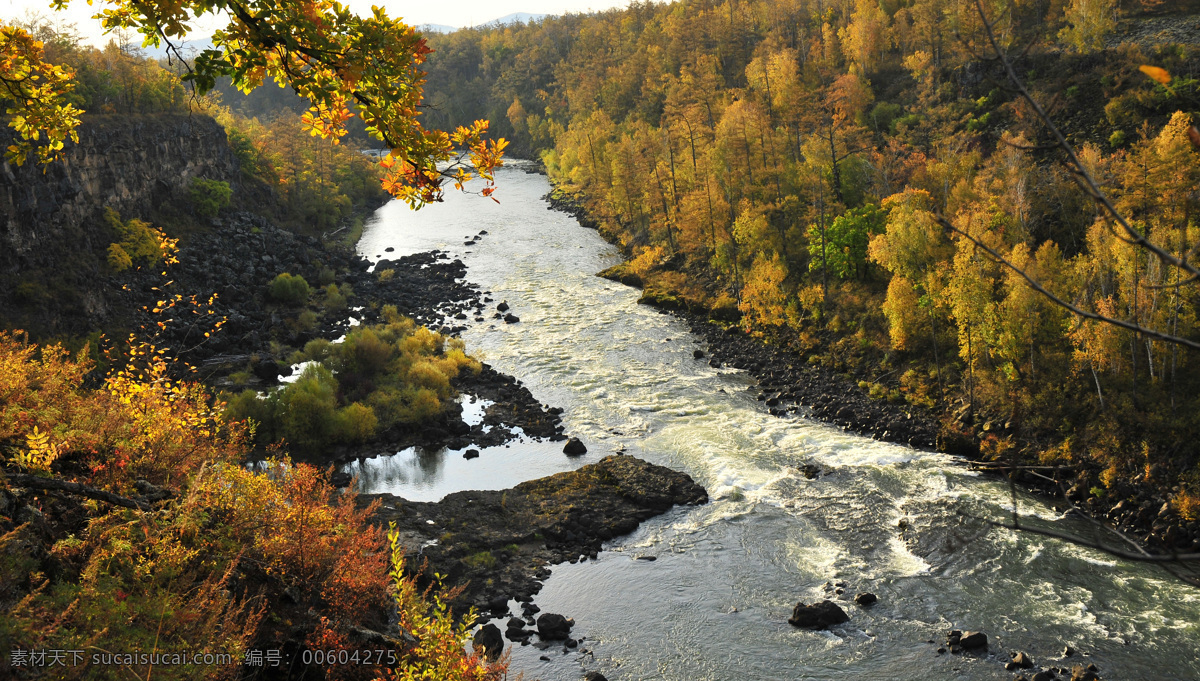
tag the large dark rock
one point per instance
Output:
(973, 639)
(535, 524)
(594, 676)
(552, 627)
(574, 447)
(489, 641)
(818, 615)
(865, 599)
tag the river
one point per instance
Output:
(714, 603)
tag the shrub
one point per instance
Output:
(440, 651)
(317, 350)
(248, 407)
(136, 241)
(307, 320)
(335, 298)
(365, 352)
(209, 197)
(306, 409)
(289, 289)
(356, 423)
(118, 259)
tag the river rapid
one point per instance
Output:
(714, 604)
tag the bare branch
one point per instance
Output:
(1080, 541)
(946, 224)
(1185, 282)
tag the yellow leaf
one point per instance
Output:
(1158, 74)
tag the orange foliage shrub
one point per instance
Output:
(284, 518)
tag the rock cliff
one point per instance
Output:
(52, 233)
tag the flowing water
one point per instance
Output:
(884, 518)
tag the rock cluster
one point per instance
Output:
(959, 641)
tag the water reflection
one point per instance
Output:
(420, 474)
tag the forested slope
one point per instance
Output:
(784, 164)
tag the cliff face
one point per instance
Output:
(53, 237)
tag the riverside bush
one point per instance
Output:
(395, 373)
(289, 289)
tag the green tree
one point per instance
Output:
(842, 247)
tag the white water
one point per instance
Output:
(714, 604)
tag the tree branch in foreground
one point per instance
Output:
(54, 484)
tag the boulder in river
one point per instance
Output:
(594, 676)
(552, 627)
(511, 319)
(471, 454)
(818, 615)
(698, 354)
(973, 639)
(489, 641)
(574, 447)
(502, 307)
(1020, 661)
(865, 599)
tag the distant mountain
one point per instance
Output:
(436, 28)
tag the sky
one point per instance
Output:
(455, 13)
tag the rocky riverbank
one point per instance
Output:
(788, 386)
(498, 545)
